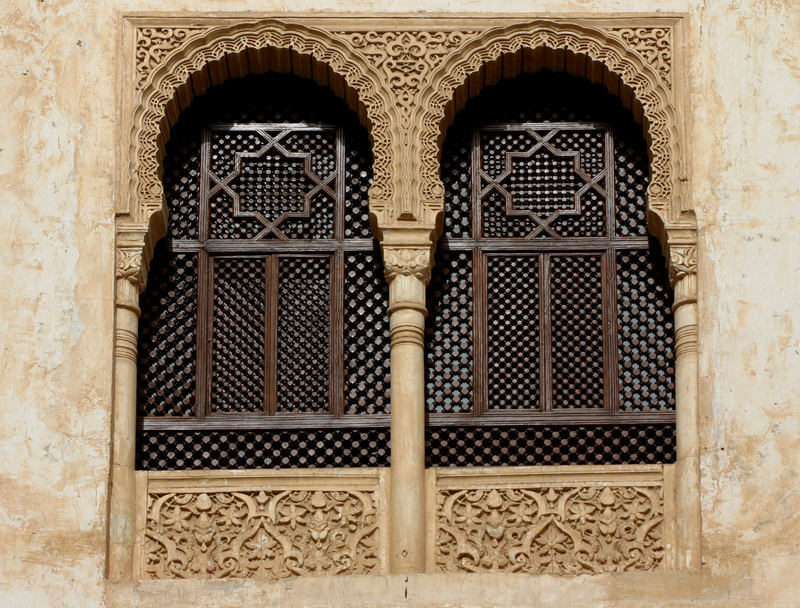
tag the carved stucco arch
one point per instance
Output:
(650, 88)
(167, 90)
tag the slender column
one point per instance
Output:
(683, 273)
(408, 272)
(123, 486)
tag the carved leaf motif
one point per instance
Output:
(410, 262)
(683, 262)
(555, 530)
(260, 534)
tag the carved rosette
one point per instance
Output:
(563, 529)
(266, 533)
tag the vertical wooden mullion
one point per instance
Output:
(477, 232)
(205, 314)
(339, 211)
(480, 337)
(611, 198)
(545, 329)
(336, 344)
(203, 211)
(610, 347)
(271, 334)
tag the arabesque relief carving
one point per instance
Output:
(406, 59)
(653, 44)
(260, 533)
(572, 528)
(153, 44)
(404, 78)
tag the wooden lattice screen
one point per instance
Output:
(264, 338)
(550, 338)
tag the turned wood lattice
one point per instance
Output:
(264, 338)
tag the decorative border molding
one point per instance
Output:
(557, 520)
(250, 524)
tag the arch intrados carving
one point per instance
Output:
(233, 50)
(646, 86)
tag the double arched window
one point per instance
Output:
(264, 339)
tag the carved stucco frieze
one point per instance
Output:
(404, 79)
(562, 529)
(406, 59)
(260, 533)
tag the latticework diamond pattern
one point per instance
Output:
(237, 361)
(645, 333)
(267, 449)
(547, 445)
(513, 332)
(303, 334)
(577, 331)
(367, 340)
(448, 335)
(168, 336)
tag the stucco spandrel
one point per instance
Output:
(57, 274)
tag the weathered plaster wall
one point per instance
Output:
(58, 92)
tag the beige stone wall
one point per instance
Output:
(59, 67)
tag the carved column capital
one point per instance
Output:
(683, 262)
(407, 261)
(131, 275)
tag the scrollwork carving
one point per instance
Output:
(273, 534)
(153, 44)
(654, 44)
(571, 529)
(406, 59)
